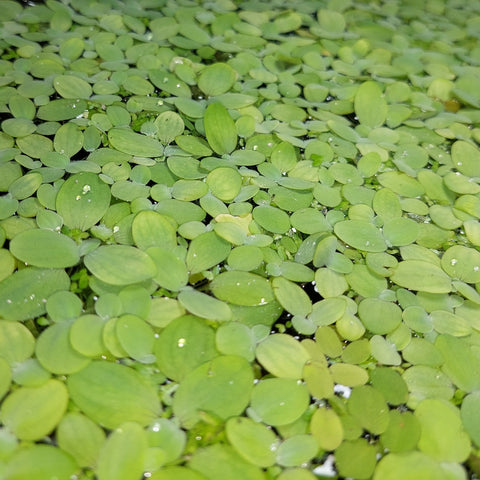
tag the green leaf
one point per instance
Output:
(466, 158)
(123, 454)
(297, 450)
(426, 382)
(68, 140)
(456, 354)
(469, 416)
(220, 129)
(169, 125)
(172, 272)
(81, 438)
(361, 235)
(253, 441)
(120, 264)
(444, 440)
(402, 433)
(370, 104)
(23, 295)
(33, 412)
(45, 248)
(218, 462)
(327, 428)
(136, 337)
(55, 352)
(462, 263)
(167, 436)
(279, 401)
(16, 342)
(221, 386)
(205, 251)
(379, 316)
(216, 79)
(224, 183)
(242, 288)
(356, 459)
(82, 200)
(432, 280)
(111, 394)
(127, 141)
(408, 466)
(183, 345)
(70, 86)
(176, 473)
(203, 305)
(151, 229)
(40, 461)
(291, 297)
(369, 408)
(271, 218)
(282, 356)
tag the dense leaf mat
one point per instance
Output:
(239, 241)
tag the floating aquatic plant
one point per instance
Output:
(239, 241)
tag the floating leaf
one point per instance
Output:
(122, 456)
(361, 235)
(466, 158)
(271, 219)
(235, 338)
(22, 294)
(445, 441)
(40, 461)
(217, 462)
(224, 183)
(356, 459)
(33, 412)
(408, 466)
(456, 355)
(54, 344)
(16, 342)
(402, 433)
(127, 141)
(151, 229)
(462, 263)
(253, 441)
(82, 200)
(136, 337)
(279, 401)
(369, 408)
(111, 394)
(370, 105)
(120, 264)
(282, 355)
(291, 297)
(326, 428)
(203, 305)
(242, 288)
(221, 386)
(379, 316)
(216, 79)
(172, 272)
(80, 437)
(45, 248)
(169, 125)
(184, 344)
(469, 416)
(70, 86)
(432, 280)
(220, 129)
(297, 450)
(205, 251)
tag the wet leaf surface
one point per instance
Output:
(239, 240)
